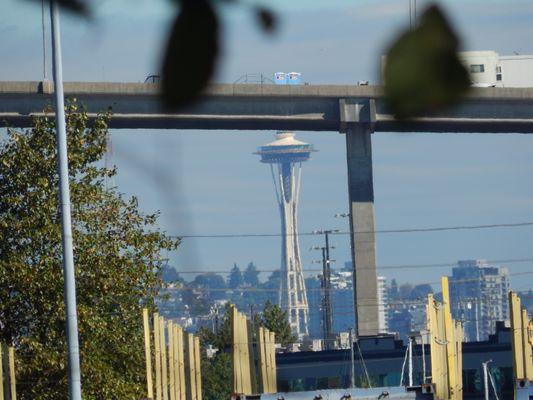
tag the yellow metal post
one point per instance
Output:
(1, 371)
(235, 352)
(172, 385)
(147, 354)
(438, 347)
(261, 352)
(181, 364)
(176, 363)
(12, 380)
(157, 345)
(164, 363)
(516, 335)
(527, 343)
(198, 368)
(449, 328)
(272, 356)
(245, 359)
(190, 367)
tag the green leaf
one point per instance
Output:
(422, 71)
(191, 53)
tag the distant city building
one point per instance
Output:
(478, 294)
(488, 68)
(341, 300)
(526, 299)
(383, 300)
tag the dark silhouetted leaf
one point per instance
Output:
(191, 53)
(76, 6)
(423, 72)
(267, 19)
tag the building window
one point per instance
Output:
(498, 77)
(477, 68)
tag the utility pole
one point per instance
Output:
(74, 374)
(327, 311)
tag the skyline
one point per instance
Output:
(193, 177)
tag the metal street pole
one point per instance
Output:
(66, 226)
(352, 359)
(485, 378)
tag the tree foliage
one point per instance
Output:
(251, 275)
(116, 254)
(216, 373)
(275, 319)
(217, 377)
(235, 277)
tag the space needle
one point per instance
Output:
(285, 156)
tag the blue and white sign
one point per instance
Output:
(294, 78)
(280, 78)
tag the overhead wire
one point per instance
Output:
(377, 231)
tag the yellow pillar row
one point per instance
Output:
(177, 357)
(446, 337)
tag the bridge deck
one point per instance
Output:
(273, 107)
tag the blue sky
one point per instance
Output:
(210, 182)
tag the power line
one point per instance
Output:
(379, 231)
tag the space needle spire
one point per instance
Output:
(285, 156)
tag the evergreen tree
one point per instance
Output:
(275, 319)
(116, 254)
(251, 275)
(235, 277)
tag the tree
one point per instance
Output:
(117, 259)
(235, 277)
(251, 275)
(210, 281)
(170, 275)
(275, 319)
(217, 377)
(216, 372)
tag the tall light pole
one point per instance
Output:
(66, 225)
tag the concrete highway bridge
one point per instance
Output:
(357, 111)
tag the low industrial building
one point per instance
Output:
(384, 358)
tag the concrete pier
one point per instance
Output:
(361, 202)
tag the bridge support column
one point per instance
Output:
(357, 123)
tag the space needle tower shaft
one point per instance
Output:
(285, 156)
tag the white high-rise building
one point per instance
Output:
(285, 156)
(383, 300)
